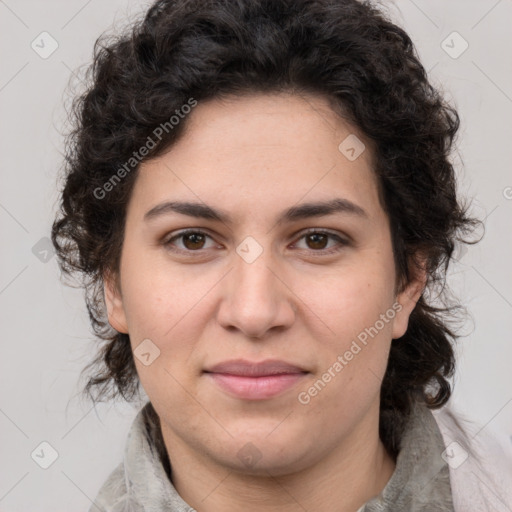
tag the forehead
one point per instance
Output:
(260, 151)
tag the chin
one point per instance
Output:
(260, 456)
(266, 466)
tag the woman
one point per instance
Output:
(259, 198)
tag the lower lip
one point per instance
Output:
(256, 388)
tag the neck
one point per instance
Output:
(342, 481)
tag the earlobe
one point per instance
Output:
(114, 302)
(408, 298)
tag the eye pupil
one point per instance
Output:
(318, 238)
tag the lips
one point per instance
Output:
(255, 380)
(255, 369)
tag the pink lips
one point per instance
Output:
(255, 381)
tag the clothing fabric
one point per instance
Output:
(421, 480)
(480, 463)
(437, 469)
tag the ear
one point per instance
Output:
(114, 303)
(408, 298)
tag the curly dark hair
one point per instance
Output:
(346, 51)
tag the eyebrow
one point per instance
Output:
(301, 211)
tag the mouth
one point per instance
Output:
(255, 380)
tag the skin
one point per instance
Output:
(253, 157)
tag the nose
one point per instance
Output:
(257, 297)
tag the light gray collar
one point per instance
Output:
(146, 479)
(421, 480)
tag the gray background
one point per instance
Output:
(45, 334)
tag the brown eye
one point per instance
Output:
(317, 240)
(321, 242)
(188, 241)
(193, 240)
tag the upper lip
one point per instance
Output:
(255, 369)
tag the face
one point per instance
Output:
(309, 289)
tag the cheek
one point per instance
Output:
(348, 300)
(353, 356)
(157, 295)
(171, 309)
(357, 306)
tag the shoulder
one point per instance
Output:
(479, 460)
(140, 482)
(113, 495)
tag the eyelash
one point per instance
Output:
(341, 241)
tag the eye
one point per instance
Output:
(318, 241)
(192, 241)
